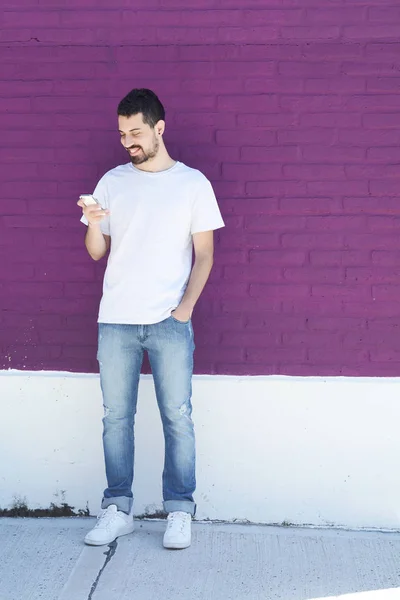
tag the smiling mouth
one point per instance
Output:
(134, 151)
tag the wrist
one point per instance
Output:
(186, 306)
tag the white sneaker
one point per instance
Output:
(179, 531)
(111, 523)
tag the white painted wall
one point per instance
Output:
(321, 451)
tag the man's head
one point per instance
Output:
(141, 123)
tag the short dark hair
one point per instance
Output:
(142, 101)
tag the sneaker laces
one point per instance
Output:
(178, 519)
(105, 518)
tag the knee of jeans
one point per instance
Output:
(117, 415)
(180, 415)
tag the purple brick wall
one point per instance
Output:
(290, 107)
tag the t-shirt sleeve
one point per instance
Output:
(206, 215)
(102, 197)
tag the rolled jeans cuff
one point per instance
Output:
(180, 506)
(123, 503)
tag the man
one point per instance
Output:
(151, 214)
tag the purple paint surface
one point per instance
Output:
(290, 107)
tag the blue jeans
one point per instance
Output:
(170, 347)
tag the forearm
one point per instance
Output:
(95, 243)
(198, 279)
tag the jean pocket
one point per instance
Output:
(180, 322)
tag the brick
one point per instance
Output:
(274, 85)
(339, 258)
(306, 136)
(248, 339)
(329, 85)
(371, 102)
(279, 291)
(280, 257)
(387, 356)
(274, 223)
(252, 172)
(369, 205)
(254, 206)
(296, 354)
(349, 292)
(275, 51)
(308, 69)
(336, 15)
(384, 187)
(385, 292)
(369, 68)
(392, 324)
(338, 355)
(332, 51)
(15, 105)
(312, 206)
(10, 271)
(312, 102)
(260, 103)
(272, 120)
(314, 172)
(382, 50)
(311, 33)
(385, 258)
(331, 120)
(384, 15)
(272, 323)
(309, 275)
(252, 273)
(275, 188)
(381, 120)
(371, 309)
(259, 306)
(385, 154)
(312, 240)
(311, 339)
(372, 171)
(333, 154)
(35, 19)
(275, 154)
(338, 187)
(313, 306)
(335, 223)
(372, 241)
(342, 324)
(355, 32)
(76, 272)
(372, 275)
(249, 137)
(245, 368)
(368, 137)
(383, 84)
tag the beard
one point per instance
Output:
(144, 155)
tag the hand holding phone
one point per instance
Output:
(92, 210)
(88, 199)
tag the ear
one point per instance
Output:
(160, 127)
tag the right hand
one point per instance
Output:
(94, 213)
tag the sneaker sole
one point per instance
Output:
(126, 531)
(176, 546)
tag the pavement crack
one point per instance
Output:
(112, 550)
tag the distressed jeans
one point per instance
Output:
(170, 347)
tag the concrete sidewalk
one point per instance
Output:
(45, 559)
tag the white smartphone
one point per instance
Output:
(88, 199)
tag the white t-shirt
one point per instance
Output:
(151, 222)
